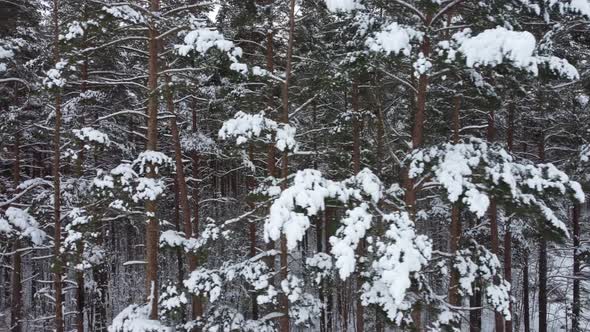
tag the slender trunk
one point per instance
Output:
(196, 307)
(57, 275)
(507, 232)
(525, 295)
(356, 166)
(319, 248)
(80, 296)
(283, 300)
(454, 297)
(576, 296)
(417, 140)
(16, 304)
(493, 215)
(475, 315)
(152, 229)
(542, 255)
(251, 182)
(177, 227)
(356, 130)
(327, 248)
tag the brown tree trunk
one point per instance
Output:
(57, 275)
(493, 215)
(152, 229)
(542, 258)
(576, 307)
(507, 232)
(283, 300)
(454, 298)
(417, 140)
(525, 295)
(16, 300)
(251, 182)
(356, 166)
(16, 305)
(80, 296)
(197, 306)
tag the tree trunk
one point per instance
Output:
(283, 300)
(356, 166)
(493, 215)
(152, 229)
(196, 307)
(16, 305)
(525, 296)
(542, 258)
(417, 140)
(507, 232)
(16, 300)
(454, 298)
(576, 296)
(57, 275)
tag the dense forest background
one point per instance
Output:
(294, 165)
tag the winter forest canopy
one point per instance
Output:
(294, 165)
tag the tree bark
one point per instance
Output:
(196, 306)
(16, 300)
(417, 140)
(152, 229)
(356, 166)
(542, 257)
(57, 275)
(525, 295)
(493, 215)
(16, 305)
(507, 232)
(576, 307)
(454, 297)
(283, 300)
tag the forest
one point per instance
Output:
(294, 165)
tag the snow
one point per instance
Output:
(580, 6)
(20, 223)
(393, 39)
(6, 53)
(492, 46)
(75, 30)
(134, 318)
(176, 239)
(343, 5)
(171, 299)
(244, 127)
(474, 171)
(344, 243)
(422, 65)
(147, 159)
(202, 38)
(585, 153)
(198, 142)
(399, 255)
(478, 263)
(54, 77)
(92, 135)
(126, 13)
(560, 67)
(321, 263)
(148, 189)
(499, 45)
(308, 193)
